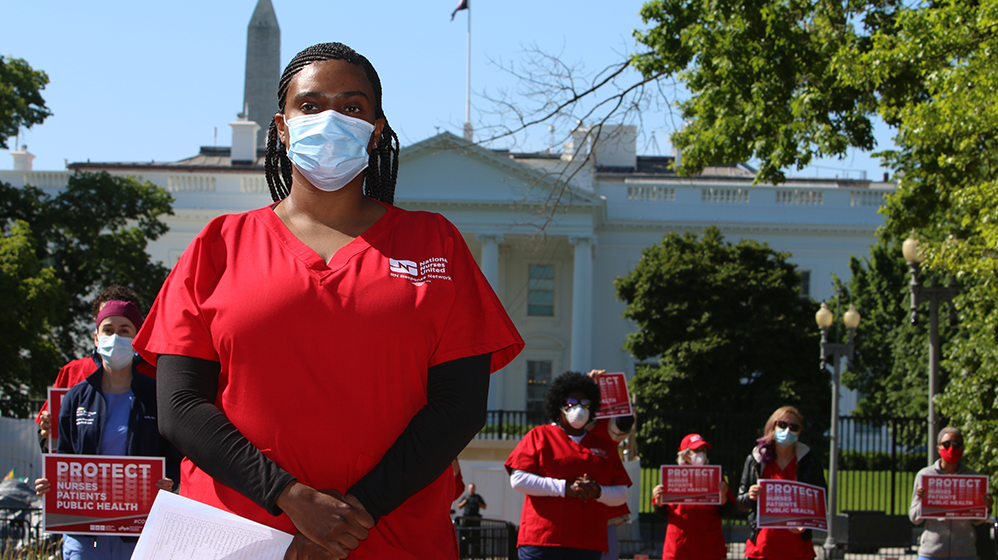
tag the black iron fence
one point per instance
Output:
(509, 424)
(878, 459)
(492, 539)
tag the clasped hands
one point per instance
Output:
(583, 488)
(329, 524)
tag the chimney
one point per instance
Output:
(616, 146)
(244, 140)
(578, 146)
(22, 158)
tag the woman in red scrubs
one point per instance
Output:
(779, 456)
(569, 476)
(694, 531)
(322, 360)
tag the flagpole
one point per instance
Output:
(468, 132)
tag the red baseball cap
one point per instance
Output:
(693, 441)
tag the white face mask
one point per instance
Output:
(329, 148)
(577, 416)
(698, 458)
(116, 351)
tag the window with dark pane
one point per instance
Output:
(540, 292)
(805, 283)
(538, 381)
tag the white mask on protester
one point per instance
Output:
(329, 148)
(698, 458)
(115, 350)
(577, 416)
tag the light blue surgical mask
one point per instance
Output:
(785, 437)
(329, 148)
(115, 350)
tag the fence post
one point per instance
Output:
(894, 465)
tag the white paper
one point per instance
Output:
(179, 528)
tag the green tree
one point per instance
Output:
(728, 329)
(21, 103)
(764, 77)
(784, 81)
(890, 366)
(32, 299)
(92, 233)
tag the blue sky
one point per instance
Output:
(143, 81)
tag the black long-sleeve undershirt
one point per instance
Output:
(457, 393)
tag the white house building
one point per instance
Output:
(552, 264)
(551, 248)
(551, 231)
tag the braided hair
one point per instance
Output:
(382, 171)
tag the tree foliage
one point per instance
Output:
(890, 366)
(784, 81)
(92, 234)
(727, 328)
(32, 300)
(764, 78)
(21, 103)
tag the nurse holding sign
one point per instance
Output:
(111, 413)
(950, 499)
(694, 497)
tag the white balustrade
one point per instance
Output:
(253, 184)
(651, 193)
(47, 179)
(800, 197)
(712, 195)
(176, 183)
(866, 198)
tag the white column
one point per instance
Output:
(490, 269)
(490, 257)
(582, 302)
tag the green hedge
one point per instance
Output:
(880, 461)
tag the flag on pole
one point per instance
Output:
(461, 5)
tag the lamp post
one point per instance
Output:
(831, 353)
(934, 294)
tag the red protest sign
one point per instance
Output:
(55, 405)
(786, 504)
(614, 399)
(689, 484)
(100, 494)
(954, 496)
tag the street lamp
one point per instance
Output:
(934, 294)
(832, 353)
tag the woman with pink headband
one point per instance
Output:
(78, 370)
(111, 412)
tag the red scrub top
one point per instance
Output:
(558, 521)
(779, 544)
(324, 365)
(695, 532)
(602, 429)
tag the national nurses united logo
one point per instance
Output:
(420, 273)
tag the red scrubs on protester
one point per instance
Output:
(78, 370)
(558, 521)
(324, 365)
(602, 429)
(695, 532)
(779, 544)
